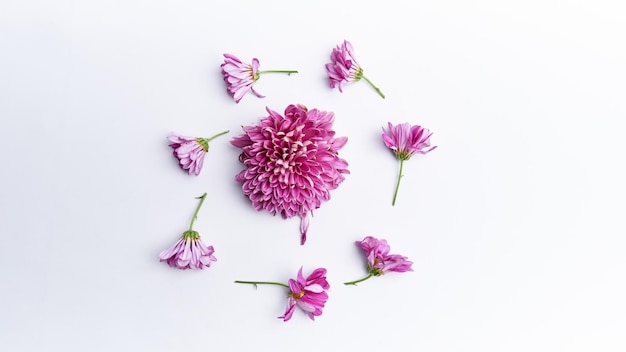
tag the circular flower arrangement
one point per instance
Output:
(291, 165)
(291, 162)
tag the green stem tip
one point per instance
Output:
(288, 72)
(217, 135)
(373, 86)
(204, 142)
(255, 283)
(195, 214)
(357, 281)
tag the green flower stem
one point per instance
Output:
(373, 86)
(195, 215)
(215, 136)
(255, 283)
(204, 142)
(395, 195)
(288, 72)
(357, 281)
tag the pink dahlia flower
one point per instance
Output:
(291, 162)
(190, 151)
(344, 68)
(189, 252)
(240, 77)
(307, 293)
(405, 141)
(379, 261)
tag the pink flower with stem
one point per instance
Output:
(379, 261)
(307, 293)
(240, 76)
(189, 252)
(344, 68)
(292, 162)
(405, 141)
(190, 151)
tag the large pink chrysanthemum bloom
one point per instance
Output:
(344, 68)
(190, 151)
(379, 261)
(307, 293)
(405, 141)
(240, 76)
(291, 162)
(189, 252)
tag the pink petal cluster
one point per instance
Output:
(189, 151)
(406, 140)
(343, 67)
(307, 293)
(189, 253)
(239, 76)
(379, 261)
(291, 162)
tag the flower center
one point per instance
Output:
(402, 155)
(191, 234)
(297, 295)
(204, 143)
(287, 152)
(374, 270)
(359, 74)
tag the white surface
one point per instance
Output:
(515, 223)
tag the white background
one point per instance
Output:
(515, 224)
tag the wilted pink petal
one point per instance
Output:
(379, 261)
(240, 76)
(405, 141)
(344, 68)
(190, 151)
(189, 253)
(307, 293)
